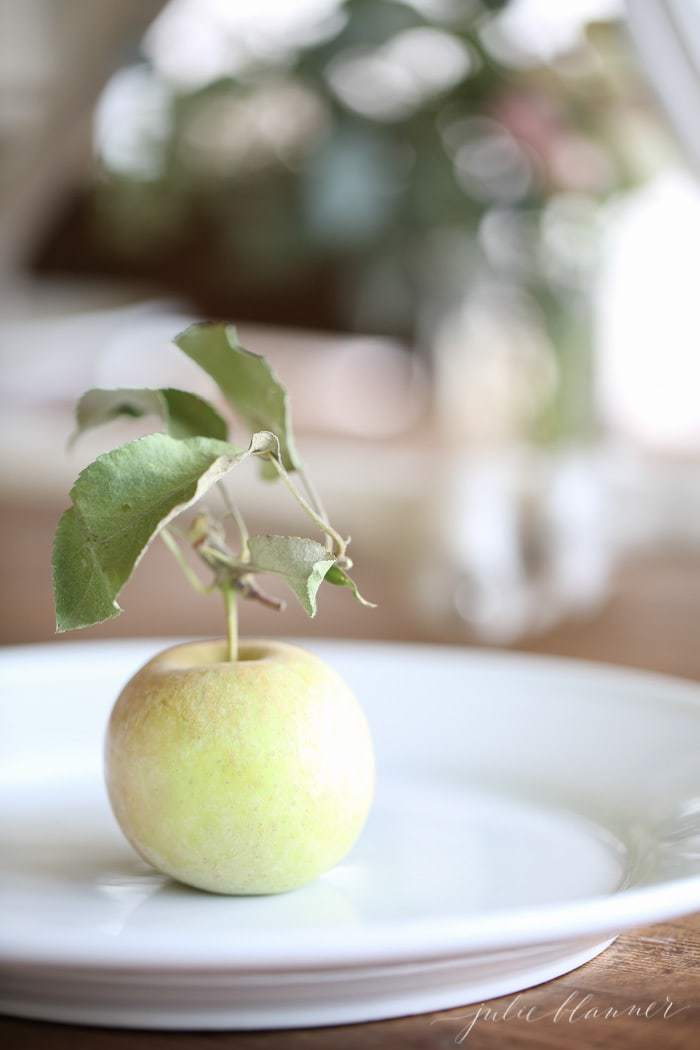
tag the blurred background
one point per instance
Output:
(465, 232)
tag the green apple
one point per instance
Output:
(244, 777)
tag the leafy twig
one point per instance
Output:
(129, 495)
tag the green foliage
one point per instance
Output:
(127, 496)
(246, 381)
(303, 563)
(120, 502)
(185, 415)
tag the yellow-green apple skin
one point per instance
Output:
(244, 777)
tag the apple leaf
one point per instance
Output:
(302, 562)
(340, 578)
(185, 415)
(246, 380)
(120, 503)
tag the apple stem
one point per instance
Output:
(312, 493)
(230, 601)
(189, 573)
(233, 512)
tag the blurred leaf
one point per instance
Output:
(370, 23)
(340, 578)
(120, 503)
(246, 381)
(302, 562)
(185, 415)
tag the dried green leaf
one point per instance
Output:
(340, 578)
(302, 562)
(185, 415)
(246, 380)
(120, 503)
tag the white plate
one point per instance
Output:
(527, 811)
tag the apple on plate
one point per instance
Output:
(234, 768)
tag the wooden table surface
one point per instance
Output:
(651, 976)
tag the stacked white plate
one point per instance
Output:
(527, 811)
